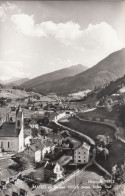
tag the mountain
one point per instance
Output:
(109, 69)
(114, 87)
(38, 81)
(17, 82)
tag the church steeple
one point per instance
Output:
(19, 118)
(20, 127)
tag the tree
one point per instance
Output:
(104, 141)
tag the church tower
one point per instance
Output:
(20, 127)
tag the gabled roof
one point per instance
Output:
(9, 130)
(85, 146)
(47, 143)
(53, 136)
(37, 146)
(64, 134)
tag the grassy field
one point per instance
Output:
(116, 114)
(89, 128)
(116, 151)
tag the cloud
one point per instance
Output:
(11, 69)
(94, 37)
(63, 31)
(6, 9)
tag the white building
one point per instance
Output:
(39, 149)
(53, 171)
(81, 154)
(12, 134)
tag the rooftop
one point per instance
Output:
(47, 143)
(53, 136)
(9, 130)
(50, 166)
(64, 134)
(85, 145)
(37, 146)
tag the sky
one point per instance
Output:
(37, 37)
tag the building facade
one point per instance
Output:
(81, 154)
(12, 134)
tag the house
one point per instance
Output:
(27, 135)
(53, 171)
(39, 149)
(45, 130)
(81, 154)
(55, 138)
(12, 134)
(37, 138)
(34, 151)
(33, 124)
(65, 135)
(27, 139)
(49, 146)
(66, 144)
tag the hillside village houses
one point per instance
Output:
(39, 149)
(81, 154)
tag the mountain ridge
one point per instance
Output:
(109, 69)
(69, 71)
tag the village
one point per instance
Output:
(38, 150)
(33, 148)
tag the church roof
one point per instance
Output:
(9, 130)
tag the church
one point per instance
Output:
(12, 134)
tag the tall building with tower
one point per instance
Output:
(12, 134)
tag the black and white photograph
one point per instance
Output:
(62, 98)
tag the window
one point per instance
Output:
(14, 194)
(79, 160)
(79, 152)
(79, 156)
(1, 144)
(84, 152)
(8, 144)
(22, 192)
(18, 123)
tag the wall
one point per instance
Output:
(30, 153)
(82, 155)
(27, 140)
(13, 143)
(38, 155)
(21, 140)
(21, 135)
